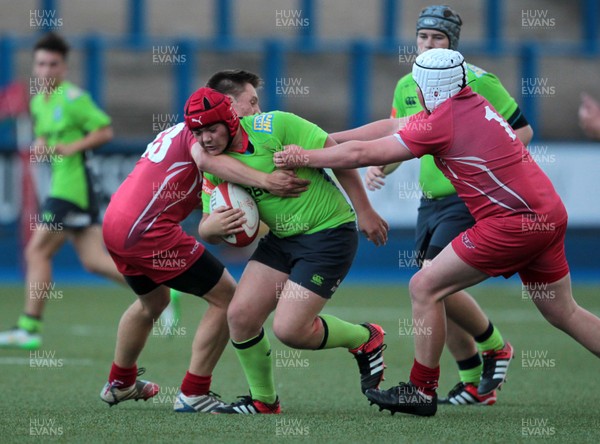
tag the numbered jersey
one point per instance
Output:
(161, 191)
(480, 154)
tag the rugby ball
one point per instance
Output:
(234, 196)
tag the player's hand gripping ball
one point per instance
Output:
(234, 196)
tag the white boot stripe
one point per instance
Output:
(209, 407)
(201, 403)
(468, 398)
(377, 369)
(377, 362)
(376, 355)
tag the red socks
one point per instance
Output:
(194, 385)
(425, 378)
(122, 377)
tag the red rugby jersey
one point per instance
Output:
(480, 154)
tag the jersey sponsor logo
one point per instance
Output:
(317, 279)
(411, 100)
(467, 242)
(476, 70)
(263, 123)
(256, 193)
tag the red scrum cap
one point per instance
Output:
(206, 107)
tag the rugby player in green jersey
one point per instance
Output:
(443, 215)
(67, 124)
(299, 265)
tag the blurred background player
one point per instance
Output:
(589, 116)
(142, 232)
(67, 124)
(443, 215)
(241, 87)
(299, 265)
(520, 219)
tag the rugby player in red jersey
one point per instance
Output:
(142, 234)
(520, 219)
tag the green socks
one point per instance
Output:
(470, 369)
(255, 358)
(491, 339)
(30, 324)
(340, 333)
(255, 354)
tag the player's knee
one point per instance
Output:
(153, 306)
(417, 287)
(240, 321)
(288, 335)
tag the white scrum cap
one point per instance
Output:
(440, 73)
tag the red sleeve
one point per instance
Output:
(428, 134)
(189, 138)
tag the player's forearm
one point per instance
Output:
(232, 170)
(370, 131)
(92, 140)
(353, 154)
(346, 155)
(351, 182)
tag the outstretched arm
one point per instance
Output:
(352, 154)
(375, 176)
(369, 222)
(371, 131)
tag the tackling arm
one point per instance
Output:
(279, 183)
(369, 222)
(371, 131)
(352, 154)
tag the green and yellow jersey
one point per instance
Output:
(406, 103)
(321, 207)
(63, 117)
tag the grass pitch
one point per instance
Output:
(52, 394)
